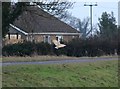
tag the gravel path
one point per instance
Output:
(57, 62)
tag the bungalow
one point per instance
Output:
(36, 25)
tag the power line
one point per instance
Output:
(91, 5)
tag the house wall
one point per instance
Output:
(13, 36)
(37, 38)
(69, 38)
(12, 39)
(40, 38)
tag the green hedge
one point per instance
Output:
(77, 47)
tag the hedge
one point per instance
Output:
(77, 47)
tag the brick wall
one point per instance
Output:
(36, 38)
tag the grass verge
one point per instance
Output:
(96, 74)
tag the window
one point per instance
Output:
(59, 38)
(13, 36)
(9, 36)
(47, 39)
(17, 35)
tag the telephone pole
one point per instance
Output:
(90, 5)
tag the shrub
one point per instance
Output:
(43, 48)
(26, 49)
(77, 47)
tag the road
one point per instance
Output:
(58, 61)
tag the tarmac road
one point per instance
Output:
(58, 62)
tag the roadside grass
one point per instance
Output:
(0, 59)
(47, 58)
(96, 74)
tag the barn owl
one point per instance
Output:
(58, 44)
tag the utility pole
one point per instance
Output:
(90, 5)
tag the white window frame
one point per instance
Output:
(59, 38)
(48, 39)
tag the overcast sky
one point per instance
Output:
(80, 11)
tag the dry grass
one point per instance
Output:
(35, 58)
(47, 58)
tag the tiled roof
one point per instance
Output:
(36, 20)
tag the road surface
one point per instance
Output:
(58, 61)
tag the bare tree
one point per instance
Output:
(82, 26)
(10, 11)
(57, 8)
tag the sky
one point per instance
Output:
(80, 11)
